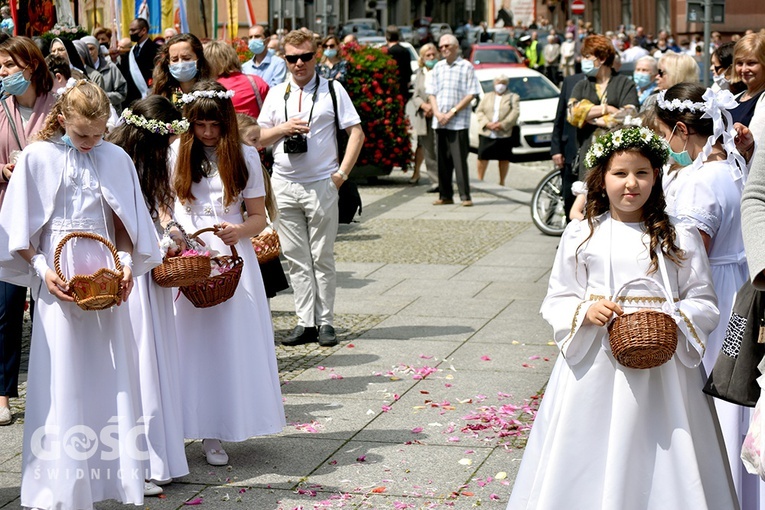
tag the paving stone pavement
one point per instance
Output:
(441, 348)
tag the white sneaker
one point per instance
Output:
(5, 416)
(214, 452)
(150, 489)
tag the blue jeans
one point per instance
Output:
(12, 299)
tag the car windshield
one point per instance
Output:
(497, 56)
(528, 88)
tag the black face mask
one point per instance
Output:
(135, 37)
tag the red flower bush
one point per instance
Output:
(372, 83)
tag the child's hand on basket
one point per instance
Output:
(57, 286)
(600, 312)
(228, 233)
(126, 285)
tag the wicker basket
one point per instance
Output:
(98, 291)
(267, 246)
(214, 290)
(181, 271)
(643, 339)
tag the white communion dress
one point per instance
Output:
(229, 375)
(608, 437)
(83, 433)
(709, 198)
(153, 322)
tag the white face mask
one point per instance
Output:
(721, 81)
(500, 88)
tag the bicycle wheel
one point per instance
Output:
(547, 209)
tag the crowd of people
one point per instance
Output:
(159, 153)
(143, 145)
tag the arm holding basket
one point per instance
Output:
(231, 233)
(124, 248)
(53, 283)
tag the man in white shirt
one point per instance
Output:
(298, 118)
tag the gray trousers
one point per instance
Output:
(428, 144)
(307, 231)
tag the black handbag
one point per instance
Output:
(734, 376)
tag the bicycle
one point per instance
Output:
(547, 208)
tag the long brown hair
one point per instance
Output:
(163, 82)
(191, 156)
(23, 50)
(660, 230)
(85, 99)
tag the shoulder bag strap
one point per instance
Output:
(255, 89)
(12, 123)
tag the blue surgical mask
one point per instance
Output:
(430, 64)
(642, 80)
(256, 46)
(271, 51)
(15, 84)
(184, 71)
(331, 53)
(68, 141)
(589, 69)
(681, 158)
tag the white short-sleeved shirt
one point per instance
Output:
(321, 159)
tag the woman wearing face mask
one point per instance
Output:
(180, 64)
(331, 66)
(673, 68)
(497, 114)
(25, 104)
(749, 65)
(596, 100)
(421, 122)
(722, 69)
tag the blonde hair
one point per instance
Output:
(423, 50)
(85, 99)
(679, 68)
(246, 122)
(298, 37)
(752, 45)
(222, 58)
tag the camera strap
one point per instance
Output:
(313, 99)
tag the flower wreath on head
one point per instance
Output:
(193, 96)
(716, 106)
(155, 126)
(623, 139)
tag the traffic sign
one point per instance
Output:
(577, 7)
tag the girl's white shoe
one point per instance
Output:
(214, 452)
(151, 489)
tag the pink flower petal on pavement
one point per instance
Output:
(362, 458)
(195, 501)
(494, 497)
(416, 430)
(532, 358)
(386, 408)
(485, 358)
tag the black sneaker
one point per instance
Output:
(327, 337)
(301, 335)
(434, 189)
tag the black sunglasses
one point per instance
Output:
(718, 69)
(661, 72)
(329, 46)
(293, 59)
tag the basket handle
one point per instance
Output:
(85, 235)
(177, 225)
(215, 229)
(667, 294)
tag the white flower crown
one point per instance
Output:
(190, 98)
(175, 127)
(70, 83)
(676, 104)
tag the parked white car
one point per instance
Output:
(539, 100)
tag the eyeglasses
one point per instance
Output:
(293, 59)
(329, 46)
(443, 46)
(661, 72)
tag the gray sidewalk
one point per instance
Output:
(424, 402)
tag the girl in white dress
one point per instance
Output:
(145, 135)
(229, 378)
(695, 122)
(83, 437)
(607, 436)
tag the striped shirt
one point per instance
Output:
(452, 82)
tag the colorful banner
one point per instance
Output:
(232, 23)
(35, 18)
(151, 11)
(183, 19)
(128, 15)
(214, 20)
(168, 14)
(251, 21)
(119, 30)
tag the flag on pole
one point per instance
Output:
(15, 17)
(128, 15)
(168, 14)
(251, 21)
(184, 20)
(117, 27)
(233, 19)
(214, 20)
